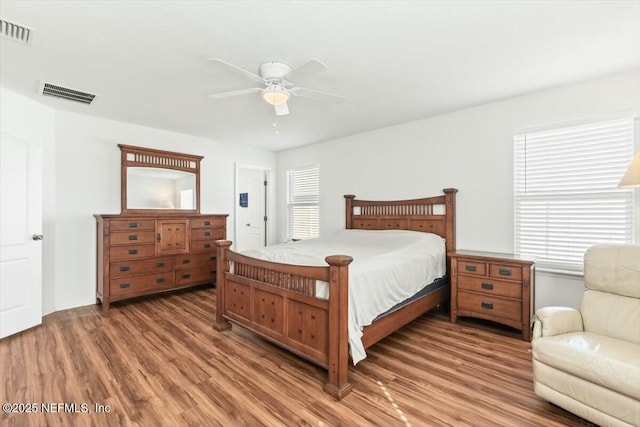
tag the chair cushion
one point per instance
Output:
(613, 268)
(615, 316)
(610, 362)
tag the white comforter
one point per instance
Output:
(388, 267)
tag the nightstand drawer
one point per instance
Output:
(490, 286)
(472, 267)
(490, 306)
(507, 272)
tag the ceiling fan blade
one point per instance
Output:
(282, 109)
(247, 73)
(310, 67)
(316, 94)
(235, 92)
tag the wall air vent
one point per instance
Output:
(49, 89)
(14, 31)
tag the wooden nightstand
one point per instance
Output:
(493, 286)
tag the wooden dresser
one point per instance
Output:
(144, 254)
(493, 286)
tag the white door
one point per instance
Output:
(251, 211)
(20, 234)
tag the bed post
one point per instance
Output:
(450, 218)
(338, 364)
(221, 269)
(348, 199)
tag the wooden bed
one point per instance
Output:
(278, 302)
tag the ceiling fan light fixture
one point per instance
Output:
(275, 95)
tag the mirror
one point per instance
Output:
(160, 189)
(155, 180)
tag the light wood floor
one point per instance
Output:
(158, 362)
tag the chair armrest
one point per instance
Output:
(551, 321)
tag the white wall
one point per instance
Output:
(82, 177)
(88, 183)
(470, 149)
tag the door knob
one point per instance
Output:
(248, 225)
(37, 237)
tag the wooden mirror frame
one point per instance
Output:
(150, 158)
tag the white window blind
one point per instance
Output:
(565, 191)
(303, 201)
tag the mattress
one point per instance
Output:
(389, 266)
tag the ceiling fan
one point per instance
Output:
(278, 88)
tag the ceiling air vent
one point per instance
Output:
(16, 32)
(65, 93)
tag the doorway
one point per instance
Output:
(251, 207)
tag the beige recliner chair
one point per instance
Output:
(588, 361)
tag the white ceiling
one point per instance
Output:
(395, 61)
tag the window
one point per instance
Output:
(303, 197)
(566, 191)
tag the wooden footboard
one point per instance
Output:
(278, 302)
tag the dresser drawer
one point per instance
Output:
(490, 286)
(131, 252)
(207, 234)
(507, 272)
(194, 260)
(132, 237)
(472, 267)
(138, 285)
(198, 246)
(489, 306)
(130, 268)
(134, 224)
(208, 223)
(193, 275)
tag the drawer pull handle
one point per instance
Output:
(207, 223)
(160, 264)
(133, 251)
(212, 258)
(470, 267)
(133, 225)
(124, 268)
(124, 285)
(160, 280)
(207, 245)
(487, 286)
(186, 261)
(207, 233)
(186, 276)
(487, 305)
(133, 237)
(504, 272)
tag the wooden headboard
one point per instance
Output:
(430, 215)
